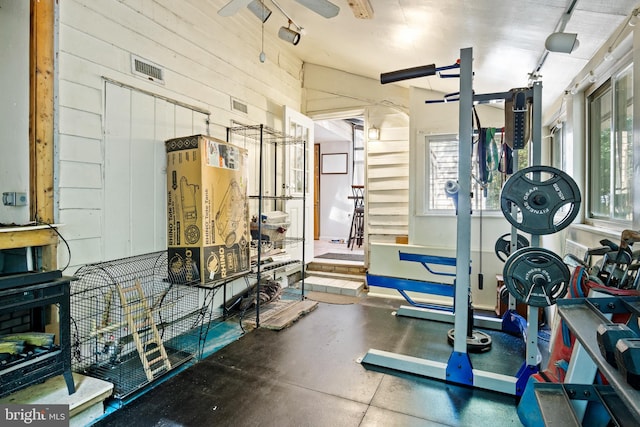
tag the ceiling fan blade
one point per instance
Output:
(321, 7)
(233, 7)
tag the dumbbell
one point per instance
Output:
(628, 360)
(608, 335)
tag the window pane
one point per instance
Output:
(443, 167)
(623, 149)
(442, 163)
(600, 150)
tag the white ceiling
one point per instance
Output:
(507, 37)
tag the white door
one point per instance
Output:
(135, 208)
(298, 181)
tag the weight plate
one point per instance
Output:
(540, 200)
(478, 342)
(536, 276)
(503, 245)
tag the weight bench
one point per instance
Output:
(411, 285)
(510, 322)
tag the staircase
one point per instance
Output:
(344, 278)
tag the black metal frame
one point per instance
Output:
(37, 291)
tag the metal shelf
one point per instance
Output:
(265, 138)
(263, 133)
(265, 197)
(582, 316)
(555, 402)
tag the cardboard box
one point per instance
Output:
(207, 210)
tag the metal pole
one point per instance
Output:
(463, 237)
(260, 191)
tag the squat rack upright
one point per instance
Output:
(458, 369)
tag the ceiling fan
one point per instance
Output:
(322, 7)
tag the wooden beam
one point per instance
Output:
(28, 238)
(41, 119)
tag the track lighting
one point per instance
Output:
(574, 90)
(633, 19)
(608, 56)
(260, 10)
(289, 35)
(562, 42)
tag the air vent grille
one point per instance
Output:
(147, 69)
(239, 106)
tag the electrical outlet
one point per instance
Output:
(14, 199)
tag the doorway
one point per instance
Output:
(339, 151)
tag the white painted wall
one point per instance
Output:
(14, 108)
(331, 91)
(335, 208)
(206, 63)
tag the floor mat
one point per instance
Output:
(281, 314)
(344, 257)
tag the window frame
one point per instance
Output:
(423, 184)
(608, 85)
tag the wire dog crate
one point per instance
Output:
(129, 324)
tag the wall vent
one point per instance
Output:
(239, 106)
(147, 69)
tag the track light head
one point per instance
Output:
(260, 10)
(289, 35)
(562, 42)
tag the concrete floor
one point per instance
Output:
(309, 375)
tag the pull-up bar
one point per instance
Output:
(414, 73)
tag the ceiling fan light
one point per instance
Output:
(287, 34)
(562, 42)
(260, 10)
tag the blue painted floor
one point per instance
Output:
(309, 375)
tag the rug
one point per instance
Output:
(280, 314)
(343, 257)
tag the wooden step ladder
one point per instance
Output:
(142, 327)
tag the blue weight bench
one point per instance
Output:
(431, 263)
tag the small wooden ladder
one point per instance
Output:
(142, 326)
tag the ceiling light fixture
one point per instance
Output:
(362, 9)
(633, 19)
(575, 89)
(562, 42)
(260, 10)
(289, 35)
(608, 56)
(373, 133)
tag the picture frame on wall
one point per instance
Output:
(334, 163)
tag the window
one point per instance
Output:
(558, 155)
(441, 165)
(611, 149)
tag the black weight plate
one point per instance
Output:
(503, 245)
(536, 276)
(478, 342)
(540, 200)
